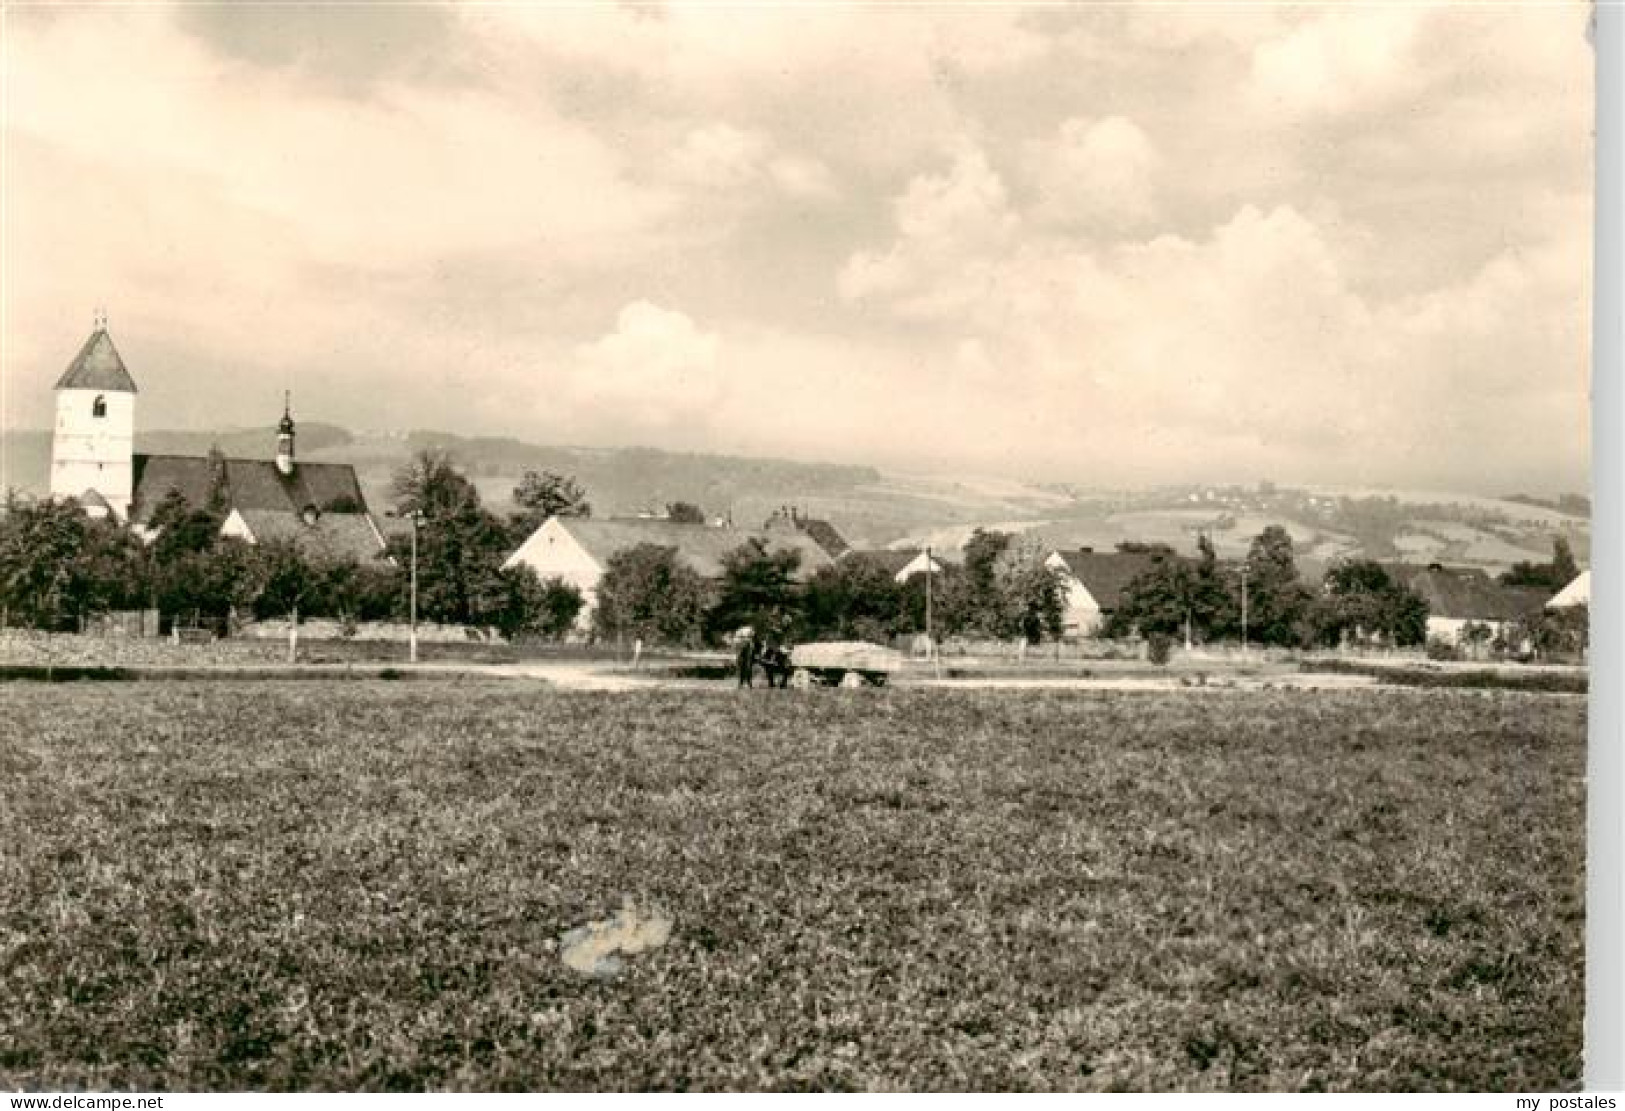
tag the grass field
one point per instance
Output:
(307, 885)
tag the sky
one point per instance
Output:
(1109, 245)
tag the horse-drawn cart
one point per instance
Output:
(843, 663)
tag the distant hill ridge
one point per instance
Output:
(878, 508)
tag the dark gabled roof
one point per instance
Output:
(822, 533)
(335, 535)
(1466, 593)
(825, 536)
(251, 484)
(701, 547)
(97, 367)
(1107, 574)
(890, 560)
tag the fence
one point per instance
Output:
(123, 623)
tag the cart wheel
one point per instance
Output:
(801, 679)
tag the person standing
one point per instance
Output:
(747, 657)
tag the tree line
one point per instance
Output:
(1001, 589)
(1263, 599)
(60, 567)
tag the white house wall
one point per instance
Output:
(917, 566)
(1082, 616)
(553, 553)
(235, 526)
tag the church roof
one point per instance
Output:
(334, 535)
(97, 367)
(250, 484)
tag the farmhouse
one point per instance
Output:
(317, 506)
(1460, 596)
(901, 563)
(578, 549)
(1576, 593)
(822, 533)
(1094, 583)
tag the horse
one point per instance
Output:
(775, 662)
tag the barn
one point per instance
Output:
(1094, 583)
(577, 550)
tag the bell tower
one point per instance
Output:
(93, 444)
(284, 436)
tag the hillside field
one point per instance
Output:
(362, 885)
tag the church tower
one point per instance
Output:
(284, 438)
(92, 449)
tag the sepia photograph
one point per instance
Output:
(820, 547)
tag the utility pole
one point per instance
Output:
(930, 633)
(412, 603)
(1244, 608)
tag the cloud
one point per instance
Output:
(948, 225)
(720, 158)
(656, 370)
(1098, 174)
(1345, 60)
(403, 176)
(1091, 242)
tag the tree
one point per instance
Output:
(758, 589)
(533, 607)
(292, 582)
(1552, 576)
(545, 494)
(182, 527)
(461, 545)
(1359, 600)
(371, 591)
(685, 513)
(1176, 597)
(1278, 603)
(1030, 600)
(855, 598)
(38, 547)
(647, 592)
(1474, 637)
(212, 586)
(430, 483)
(111, 571)
(1564, 569)
(970, 600)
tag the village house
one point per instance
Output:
(577, 550)
(902, 564)
(825, 535)
(1457, 597)
(1093, 584)
(317, 506)
(1576, 593)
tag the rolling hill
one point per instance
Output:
(878, 508)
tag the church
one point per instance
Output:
(317, 506)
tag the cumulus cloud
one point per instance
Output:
(948, 224)
(1346, 59)
(1098, 174)
(656, 370)
(1095, 243)
(721, 158)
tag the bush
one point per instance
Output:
(1159, 647)
(1441, 649)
